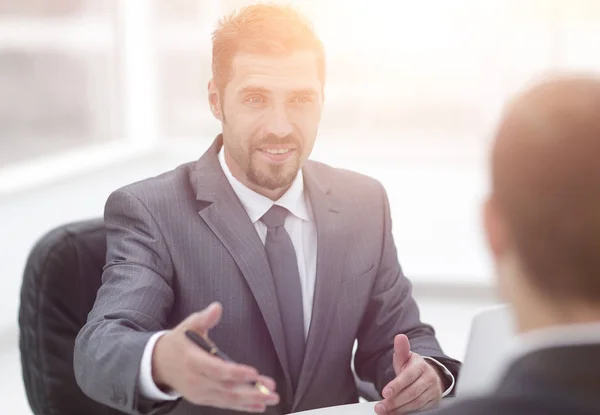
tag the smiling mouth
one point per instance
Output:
(276, 150)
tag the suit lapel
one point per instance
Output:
(225, 216)
(330, 259)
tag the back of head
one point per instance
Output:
(546, 185)
(264, 28)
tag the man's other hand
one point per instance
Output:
(417, 385)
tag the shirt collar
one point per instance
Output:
(257, 205)
(551, 337)
(557, 336)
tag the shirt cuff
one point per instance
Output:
(146, 383)
(446, 373)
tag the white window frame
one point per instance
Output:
(137, 55)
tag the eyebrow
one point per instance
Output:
(306, 91)
(254, 90)
(260, 90)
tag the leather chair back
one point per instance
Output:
(62, 275)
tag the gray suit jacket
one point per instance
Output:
(554, 381)
(179, 241)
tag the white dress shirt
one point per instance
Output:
(300, 226)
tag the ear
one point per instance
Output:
(495, 238)
(214, 100)
(495, 228)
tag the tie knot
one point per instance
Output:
(275, 217)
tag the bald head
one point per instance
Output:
(546, 185)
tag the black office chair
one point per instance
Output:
(61, 278)
(62, 275)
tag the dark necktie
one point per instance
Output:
(284, 268)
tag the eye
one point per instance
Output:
(255, 99)
(303, 99)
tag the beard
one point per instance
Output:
(270, 175)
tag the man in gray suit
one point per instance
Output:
(543, 225)
(286, 261)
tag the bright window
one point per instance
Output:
(408, 80)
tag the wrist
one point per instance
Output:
(445, 383)
(158, 374)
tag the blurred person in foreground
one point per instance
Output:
(284, 261)
(542, 221)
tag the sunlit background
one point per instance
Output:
(95, 94)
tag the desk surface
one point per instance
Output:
(358, 408)
(353, 409)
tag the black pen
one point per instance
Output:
(208, 345)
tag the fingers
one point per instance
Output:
(268, 382)
(422, 403)
(214, 368)
(228, 385)
(204, 320)
(401, 352)
(243, 397)
(207, 390)
(412, 398)
(417, 387)
(208, 380)
(407, 376)
(263, 381)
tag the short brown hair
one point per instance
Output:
(262, 28)
(546, 180)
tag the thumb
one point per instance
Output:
(401, 352)
(204, 320)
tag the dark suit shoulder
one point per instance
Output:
(345, 182)
(501, 405)
(154, 192)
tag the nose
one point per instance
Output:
(279, 123)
